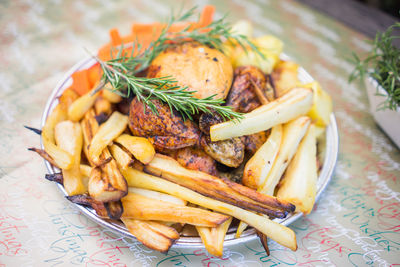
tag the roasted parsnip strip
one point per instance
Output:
(274, 230)
(108, 131)
(111, 96)
(258, 166)
(67, 98)
(86, 200)
(122, 158)
(110, 185)
(44, 155)
(299, 185)
(85, 169)
(79, 107)
(208, 185)
(152, 234)
(68, 136)
(291, 105)
(213, 237)
(144, 208)
(293, 132)
(62, 158)
(157, 196)
(55, 177)
(114, 209)
(102, 106)
(140, 147)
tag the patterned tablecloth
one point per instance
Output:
(356, 221)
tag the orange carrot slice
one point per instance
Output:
(80, 82)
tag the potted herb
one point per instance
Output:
(381, 68)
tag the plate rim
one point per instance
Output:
(327, 170)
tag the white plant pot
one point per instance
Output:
(388, 120)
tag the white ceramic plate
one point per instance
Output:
(331, 152)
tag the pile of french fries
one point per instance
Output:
(122, 177)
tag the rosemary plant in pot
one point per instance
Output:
(381, 70)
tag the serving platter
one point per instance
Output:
(330, 156)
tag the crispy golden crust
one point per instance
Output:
(242, 96)
(163, 130)
(201, 68)
(196, 159)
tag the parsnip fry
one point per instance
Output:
(79, 107)
(274, 230)
(144, 208)
(258, 167)
(299, 185)
(67, 98)
(208, 185)
(68, 136)
(111, 96)
(85, 169)
(157, 196)
(44, 155)
(62, 158)
(140, 147)
(293, 132)
(295, 103)
(152, 234)
(213, 237)
(102, 106)
(108, 131)
(122, 158)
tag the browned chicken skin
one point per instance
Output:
(242, 96)
(254, 141)
(164, 130)
(196, 159)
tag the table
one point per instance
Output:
(356, 221)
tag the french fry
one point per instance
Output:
(295, 103)
(108, 131)
(258, 166)
(281, 234)
(62, 158)
(208, 185)
(111, 96)
(122, 158)
(152, 234)
(299, 185)
(157, 196)
(79, 107)
(68, 136)
(140, 147)
(293, 133)
(144, 208)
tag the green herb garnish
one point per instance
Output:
(382, 64)
(121, 71)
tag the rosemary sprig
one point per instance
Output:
(166, 90)
(120, 71)
(383, 65)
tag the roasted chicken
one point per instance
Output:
(196, 159)
(165, 131)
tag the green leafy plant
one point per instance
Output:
(121, 71)
(382, 64)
